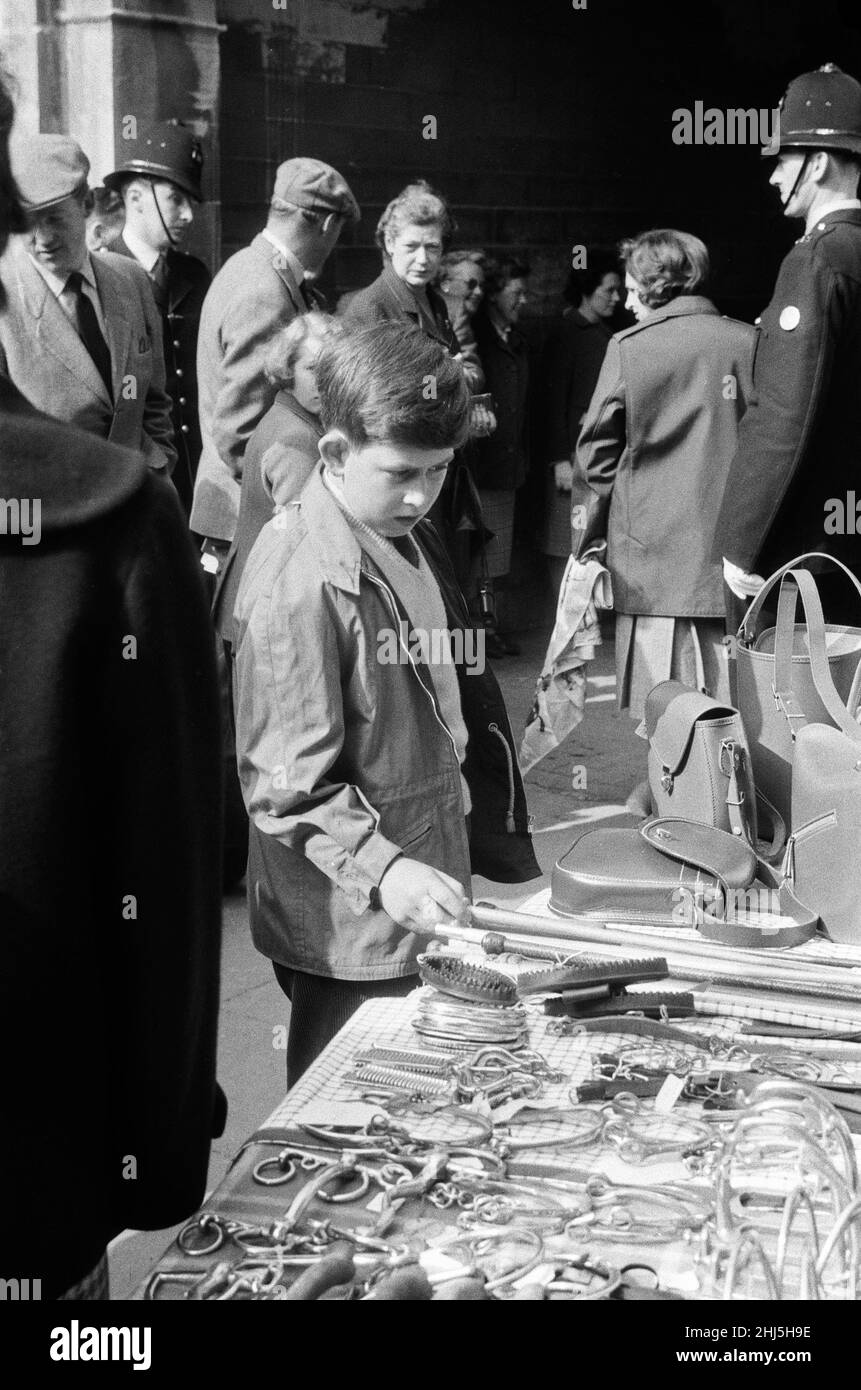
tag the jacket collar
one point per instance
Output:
(828, 219)
(404, 299)
(486, 333)
(54, 330)
(178, 285)
(265, 251)
(682, 305)
(338, 551)
(287, 401)
(575, 319)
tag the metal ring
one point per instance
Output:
(202, 1222)
(286, 1169)
(352, 1194)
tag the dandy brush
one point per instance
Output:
(498, 930)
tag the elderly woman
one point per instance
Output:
(570, 365)
(653, 456)
(413, 233)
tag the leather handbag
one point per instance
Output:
(824, 849)
(769, 715)
(699, 761)
(673, 872)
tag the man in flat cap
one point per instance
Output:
(799, 444)
(258, 291)
(80, 336)
(159, 182)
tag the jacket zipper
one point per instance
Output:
(392, 604)
(509, 819)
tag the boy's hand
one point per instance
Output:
(416, 896)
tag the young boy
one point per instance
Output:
(350, 757)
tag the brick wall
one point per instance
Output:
(554, 124)
(554, 127)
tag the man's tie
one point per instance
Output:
(160, 277)
(314, 298)
(89, 332)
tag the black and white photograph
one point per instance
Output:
(430, 666)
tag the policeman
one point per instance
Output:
(159, 180)
(799, 447)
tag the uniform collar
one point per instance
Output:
(838, 205)
(141, 251)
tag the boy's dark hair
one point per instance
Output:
(389, 381)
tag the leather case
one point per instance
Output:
(699, 762)
(673, 872)
(618, 875)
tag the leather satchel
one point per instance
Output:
(673, 872)
(824, 849)
(699, 761)
(772, 711)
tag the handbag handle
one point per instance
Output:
(747, 629)
(791, 585)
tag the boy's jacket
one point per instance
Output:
(370, 770)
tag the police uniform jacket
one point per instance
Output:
(653, 455)
(110, 884)
(41, 352)
(800, 443)
(187, 283)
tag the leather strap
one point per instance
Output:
(701, 847)
(732, 753)
(792, 584)
(770, 814)
(727, 858)
(800, 926)
(747, 628)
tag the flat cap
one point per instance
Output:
(47, 169)
(307, 183)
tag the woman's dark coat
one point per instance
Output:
(110, 810)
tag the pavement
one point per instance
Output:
(584, 781)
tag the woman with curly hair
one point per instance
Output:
(652, 463)
(413, 232)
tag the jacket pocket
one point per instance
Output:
(415, 837)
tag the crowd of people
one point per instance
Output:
(200, 670)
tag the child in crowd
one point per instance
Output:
(351, 735)
(282, 452)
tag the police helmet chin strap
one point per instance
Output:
(794, 189)
(171, 238)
